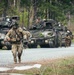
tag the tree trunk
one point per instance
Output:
(18, 6)
(31, 15)
(14, 2)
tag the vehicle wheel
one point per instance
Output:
(6, 47)
(0, 47)
(51, 45)
(9, 47)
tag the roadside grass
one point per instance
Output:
(58, 67)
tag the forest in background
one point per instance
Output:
(29, 10)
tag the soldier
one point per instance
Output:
(15, 36)
(39, 22)
(67, 40)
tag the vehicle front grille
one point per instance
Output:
(40, 40)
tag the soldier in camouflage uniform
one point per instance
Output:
(67, 40)
(15, 36)
(39, 22)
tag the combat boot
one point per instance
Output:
(15, 60)
(19, 60)
(19, 57)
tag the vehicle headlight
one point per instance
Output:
(2, 36)
(32, 41)
(68, 31)
(46, 41)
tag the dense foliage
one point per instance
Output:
(59, 10)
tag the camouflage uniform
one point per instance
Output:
(67, 41)
(16, 37)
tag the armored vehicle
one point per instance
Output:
(49, 34)
(5, 25)
(42, 35)
(4, 28)
(63, 32)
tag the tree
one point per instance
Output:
(55, 9)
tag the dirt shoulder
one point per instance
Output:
(48, 65)
(42, 62)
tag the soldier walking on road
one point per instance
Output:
(15, 36)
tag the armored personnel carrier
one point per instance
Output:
(42, 35)
(5, 25)
(49, 34)
(4, 28)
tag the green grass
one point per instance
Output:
(58, 67)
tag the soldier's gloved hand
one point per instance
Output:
(7, 39)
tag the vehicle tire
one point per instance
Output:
(0, 46)
(6, 47)
(51, 45)
(9, 47)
